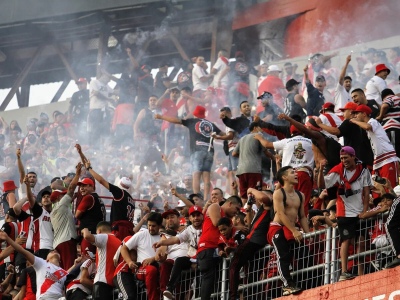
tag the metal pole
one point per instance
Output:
(327, 255)
(333, 255)
(224, 278)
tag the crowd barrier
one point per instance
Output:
(316, 263)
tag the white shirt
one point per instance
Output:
(143, 243)
(297, 152)
(44, 230)
(374, 88)
(104, 89)
(325, 121)
(340, 98)
(191, 237)
(197, 73)
(76, 283)
(49, 280)
(176, 250)
(220, 66)
(63, 221)
(350, 206)
(383, 149)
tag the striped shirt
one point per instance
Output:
(392, 117)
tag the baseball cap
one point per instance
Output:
(86, 181)
(273, 68)
(320, 78)
(349, 106)
(363, 108)
(348, 150)
(265, 96)
(182, 221)
(194, 209)
(181, 204)
(291, 83)
(170, 212)
(125, 183)
(81, 80)
(56, 193)
(327, 105)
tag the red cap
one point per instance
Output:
(9, 185)
(349, 106)
(199, 112)
(363, 108)
(56, 193)
(195, 208)
(86, 181)
(380, 68)
(170, 212)
(294, 130)
(182, 221)
(327, 105)
(81, 80)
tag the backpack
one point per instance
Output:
(272, 212)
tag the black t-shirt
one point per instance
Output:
(28, 278)
(80, 105)
(239, 71)
(274, 110)
(259, 227)
(200, 133)
(123, 205)
(372, 104)
(293, 108)
(357, 138)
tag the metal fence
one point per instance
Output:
(316, 262)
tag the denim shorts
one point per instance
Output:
(201, 161)
(233, 162)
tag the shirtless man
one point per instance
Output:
(282, 232)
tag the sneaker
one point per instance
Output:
(346, 276)
(290, 289)
(168, 294)
(394, 263)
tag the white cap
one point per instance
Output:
(273, 68)
(125, 183)
(181, 204)
(397, 190)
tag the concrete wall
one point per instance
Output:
(382, 285)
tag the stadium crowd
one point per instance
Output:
(116, 193)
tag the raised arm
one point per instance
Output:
(181, 197)
(74, 182)
(96, 176)
(20, 166)
(168, 119)
(87, 235)
(28, 255)
(344, 69)
(363, 125)
(29, 194)
(312, 134)
(80, 152)
(265, 143)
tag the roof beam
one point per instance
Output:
(21, 78)
(271, 10)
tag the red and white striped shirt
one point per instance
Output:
(392, 117)
(107, 245)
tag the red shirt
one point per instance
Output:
(210, 235)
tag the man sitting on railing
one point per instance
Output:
(282, 233)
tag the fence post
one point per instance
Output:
(333, 255)
(224, 278)
(328, 250)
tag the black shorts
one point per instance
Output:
(349, 227)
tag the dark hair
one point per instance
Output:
(155, 217)
(31, 172)
(282, 172)
(347, 77)
(105, 224)
(386, 92)
(152, 96)
(187, 89)
(388, 196)
(358, 91)
(245, 101)
(253, 125)
(217, 188)
(288, 64)
(234, 200)
(241, 216)
(225, 221)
